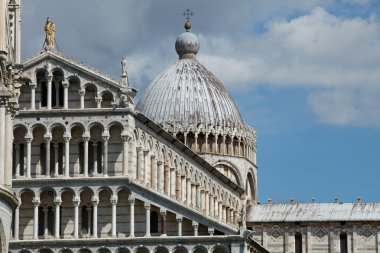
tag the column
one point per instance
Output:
(33, 87)
(47, 157)
(166, 179)
(183, 189)
(216, 206)
(125, 154)
(179, 219)
(57, 203)
(105, 155)
(65, 95)
(197, 196)
(98, 100)
(172, 183)
(178, 186)
(95, 146)
(196, 142)
(224, 145)
(56, 145)
(193, 199)
(224, 213)
(207, 203)
(163, 222)
(66, 138)
(114, 203)
(76, 202)
(147, 219)
(308, 240)
(36, 203)
(17, 221)
(202, 202)
(160, 176)
(28, 156)
(220, 209)
(188, 191)
(17, 157)
(195, 227)
(82, 92)
(49, 79)
(354, 239)
(153, 171)
(206, 142)
(212, 209)
(139, 163)
(145, 165)
(95, 202)
(85, 138)
(132, 217)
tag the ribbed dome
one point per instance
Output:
(188, 92)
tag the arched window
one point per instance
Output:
(90, 157)
(50, 219)
(154, 222)
(43, 158)
(60, 98)
(298, 242)
(81, 158)
(22, 154)
(343, 243)
(99, 156)
(53, 94)
(84, 220)
(60, 158)
(41, 221)
(43, 94)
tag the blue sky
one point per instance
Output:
(305, 75)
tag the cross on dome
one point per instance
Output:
(188, 13)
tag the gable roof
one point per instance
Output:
(314, 212)
(79, 66)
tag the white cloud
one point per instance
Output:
(317, 50)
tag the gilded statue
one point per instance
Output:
(50, 32)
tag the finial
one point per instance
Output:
(50, 33)
(124, 74)
(188, 13)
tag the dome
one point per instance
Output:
(187, 92)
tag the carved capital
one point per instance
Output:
(36, 202)
(57, 201)
(32, 85)
(76, 201)
(131, 200)
(114, 200)
(125, 138)
(66, 137)
(94, 201)
(28, 139)
(81, 92)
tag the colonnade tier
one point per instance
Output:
(49, 89)
(175, 244)
(98, 151)
(75, 215)
(218, 143)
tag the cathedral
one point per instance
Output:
(84, 167)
